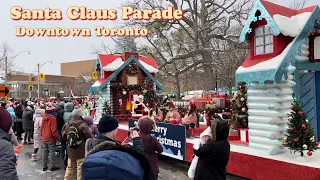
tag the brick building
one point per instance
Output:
(50, 86)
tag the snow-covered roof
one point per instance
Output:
(291, 26)
(289, 22)
(278, 18)
(266, 65)
(111, 62)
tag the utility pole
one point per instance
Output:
(38, 80)
(30, 79)
(5, 70)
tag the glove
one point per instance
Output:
(196, 144)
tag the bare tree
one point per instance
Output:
(200, 43)
(298, 4)
(7, 51)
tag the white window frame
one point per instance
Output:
(264, 44)
(101, 74)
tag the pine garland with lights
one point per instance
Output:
(239, 118)
(130, 88)
(300, 135)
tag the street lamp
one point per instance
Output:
(6, 65)
(39, 66)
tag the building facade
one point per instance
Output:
(51, 86)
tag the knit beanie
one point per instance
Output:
(5, 120)
(107, 124)
(61, 103)
(77, 113)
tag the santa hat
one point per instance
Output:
(206, 132)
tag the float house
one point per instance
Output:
(283, 64)
(121, 78)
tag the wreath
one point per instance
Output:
(132, 69)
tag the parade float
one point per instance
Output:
(283, 66)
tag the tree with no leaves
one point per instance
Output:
(204, 44)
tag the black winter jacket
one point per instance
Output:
(214, 155)
(7, 158)
(59, 116)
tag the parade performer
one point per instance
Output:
(173, 116)
(138, 107)
(190, 119)
(156, 114)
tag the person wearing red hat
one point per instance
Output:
(7, 159)
(191, 119)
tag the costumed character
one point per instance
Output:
(173, 116)
(156, 114)
(190, 119)
(138, 107)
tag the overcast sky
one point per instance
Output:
(59, 49)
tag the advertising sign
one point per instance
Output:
(171, 137)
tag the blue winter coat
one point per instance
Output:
(107, 161)
(12, 113)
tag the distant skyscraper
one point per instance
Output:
(125, 44)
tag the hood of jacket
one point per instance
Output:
(40, 112)
(28, 108)
(10, 110)
(4, 135)
(47, 117)
(58, 108)
(109, 150)
(222, 130)
(88, 120)
(68, 107)
(146, 125)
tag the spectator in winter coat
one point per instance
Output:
(18, 126)
(93, 128)
(60, 123)
(49, 136)
(109, 159)
(7, 155)
(76, 154)
(150, 143)
(12, 113)
(68, 108)
(214, 154)
(37, 132)
(27, 124)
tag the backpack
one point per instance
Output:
(73, 138)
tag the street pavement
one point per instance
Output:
(29, 170)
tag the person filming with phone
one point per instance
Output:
(120, 161)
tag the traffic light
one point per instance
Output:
(29, 88)
(94, 75)
(41, 75)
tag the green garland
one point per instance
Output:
(130, 88)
